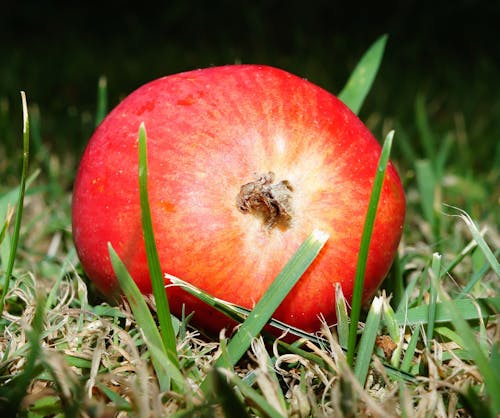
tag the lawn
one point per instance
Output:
(427, 345)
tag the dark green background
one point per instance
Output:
(448, 51)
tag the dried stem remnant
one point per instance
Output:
(271, 202)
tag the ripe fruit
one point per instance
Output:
(244, 162)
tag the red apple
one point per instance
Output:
(244, 162)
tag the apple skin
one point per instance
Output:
(210, 132)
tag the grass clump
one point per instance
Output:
(428, 344)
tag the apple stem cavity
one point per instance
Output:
(272, 203)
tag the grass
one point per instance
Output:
(427, 345)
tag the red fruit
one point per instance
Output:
(244, 162)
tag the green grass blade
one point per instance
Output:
(471, 309)
(475, 279)
(275, 294)
(47, 406)
(20, 202)
(102, 100)
(273, 297)
(233, 311)
(435, 274)
(367, 342)
(155, 272)
(410, 350)
(9, 199)
(357, 87)
(169, 368)
(365, 245)
(142, 315)
(77, 362)
(450, 335)
(390, 321)
(467, 250)
(404, 401)
(427, 184)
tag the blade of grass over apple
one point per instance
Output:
(20, 201)
(359, 83)
(236, 312)
(271, 299)
(155, 272)
(365, 245)
(146, 323)
(275, 294)
(231, 310)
